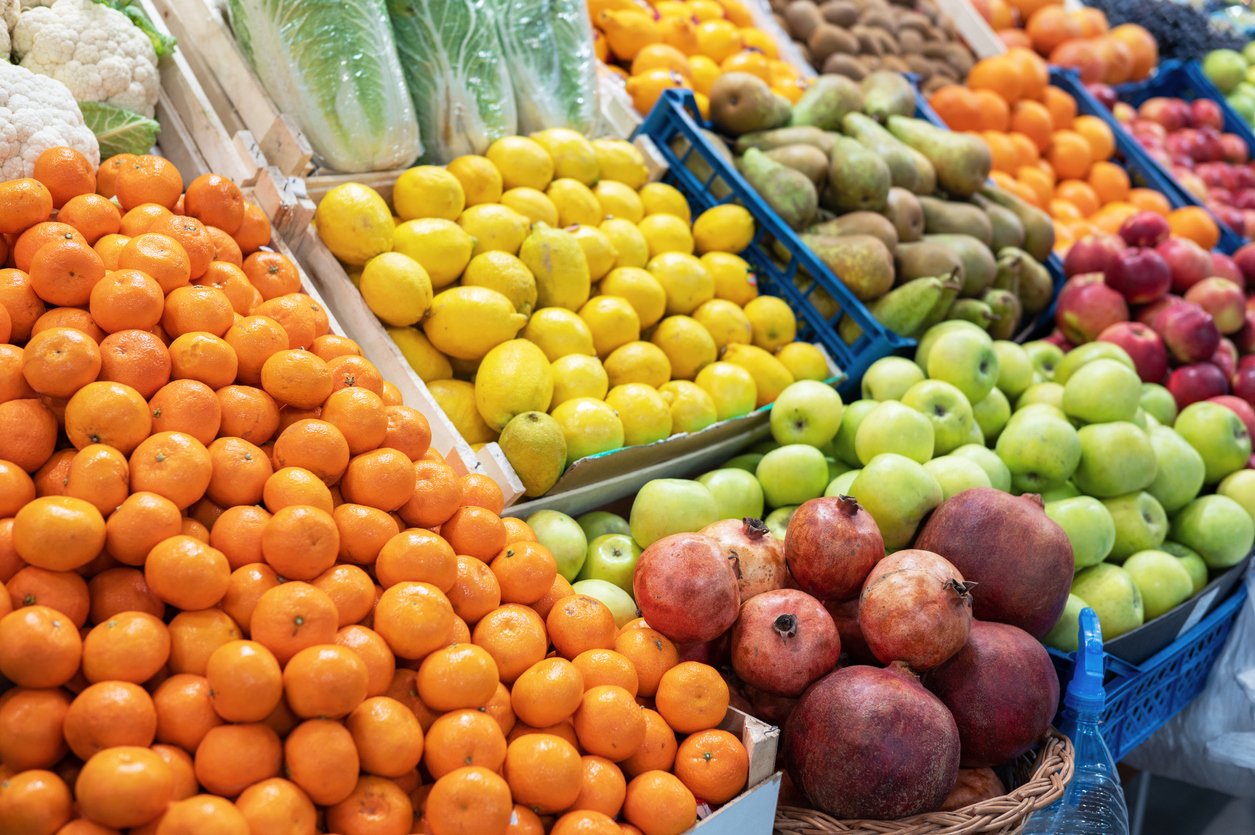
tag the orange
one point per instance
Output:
(135, 358)
(277, 806)
(92, 215)
(59, 533)
(121, 589)
(63, 591)
(713, 765)
(404, 689)
(66, 317)
(64, 272)
(255, 339)
(107, 173)
(160, 256)
(184, 710)
(547, 693)
(28, 433)
(559, 590)
(196, 635)
(361, 418)
(231, 280)
(98, 474)
(525, 571)
(34, 801)
(578, 623)
(586, 822)
(254, 231)
(1109, 181)
(1033, 119)
(602, 787)
(998, 74)
(692, 697)
(1025, 149)
(59, 361)
(1033, 71)
(1063, 210)
(1112, 216)
(457, 676)
(174, 465)
(659, 804)
(478, 490)
(609, 723)
(192, 236)
(31, 728)
(1051, 26)
(107, 413)
(143, 217)
(315, 445)
(187, 573)
(382, 478)
(387, 735)
(544, 772)
(364, 531)
(1142, 48)
(515, 637)
(143, 520)
(325, 681)
(248, 413)
(461, 738)
(124, 786)
(471, 799)
(391, 394)
(126, 299)
(1002, 150)
(1062, 107)
(437, 494)
(233, 757)
(377, 805)
(1069, 154)
(20, 302)
(148, 179)
(109, 248)
(606, 667)
(958, 107)
(294, 312)
(353, 371)
(109, 714)
(130, 646)
(1195, 223)
(319, 756)
(291, 617)
(329, 346)
(300, 542)
(380, 663)
(516, 530)
(416, 555)
(23, 203)
(475, 591)
(215, 201)
(995, 115)
(203, 814)
(350, 588)
(16, 489)
(37, 237)
(1080, 195)
(413, 618)
(245, 681)
(296, 486)
(1149, 200)
(657, 752)
(499, 709)
(1102, 143)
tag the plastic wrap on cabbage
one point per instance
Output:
(332, 64)
(548, 45)
(458, 78)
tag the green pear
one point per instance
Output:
(979, 266)
(1039, 230)
(789, 193)
(1110, 591)
(1089, 527)
(1163, 582)
(1141, 524)
(1116, 458)
(858, 178)
(898, 493)
(988, 460)
(962, 161)
(1179, 472)
(892, 426)
(943, 217)
(1217, 528)
(898, 157)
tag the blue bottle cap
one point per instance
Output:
(1085, 692)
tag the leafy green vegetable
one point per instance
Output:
(119, 131)
(162, 43)
(548, 45)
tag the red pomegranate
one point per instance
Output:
(717, 652)
(853, 645)
(973, 786)
(685, 586)
(866, 742)
(768, 707)
(783, 641)
(1002, 690)
(831, 546)
(759, 555)
(915, 608)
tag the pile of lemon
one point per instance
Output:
(555, 301)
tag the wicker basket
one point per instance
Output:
(1044, 777)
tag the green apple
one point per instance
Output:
(1139, 419)
(1089, 527)
(1217, 528)
(667, 506)
(1192, 562)
(835, 468)
(1039, 450)
(992, 414)
(1140, 524)
(1248, 54)
(888, 378)
(1015, 368)
(806, 412)
(967, 361)
(1045, 357)
(764, 447)
(898, 493)
(1159, 403)
(737, 493)
(599, 523)
(999, 475)
(619, 602)
(1240, 487)
(564, 538)
(1102, 391)
(1039, 409)
(792, 474)
(1059, 492)
(1065, 635)
(1116, 458)
(1226, 68)
(1179, 469)
(956, 474)
(778, 520)
(1090, 351)
(976, 436)
(748, 462)
(1218, 434)
(925, 346)
(1162, 580)
(612, 558)
(840, 486)
(893, 427)
(851, 419)
(1110, 591)
(1050, 394)
(946, 409)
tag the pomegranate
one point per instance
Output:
(1003, 692)
(973, 786)
(768, 707)
(717, 652)
(915, 608)
(830, 547)
(685, 586)
(1019, 558)
(865, 742)
(853, 645)
(759, 555)
(783, 641)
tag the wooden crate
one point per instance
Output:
(753, 811)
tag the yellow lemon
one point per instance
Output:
(770, 375)
(663, 199)
(480, 179)
(645, 416)
(428, 191)
(558, 262)
(428, 363)
(456, 399)
(705, 72)
(684, 279)
(703, 105)
(441, 246)
(576, 375)
(692, 410)
(396, 288)
(705, 10)
(773, 322)
(618, 200)
(465, 369)
(515, 377)
(660, 56)
(494, 228)
(355, 223)
(734, 277)
(680, 32)
(782, 71)
(573, 155)
(522, 162)
(612, 321)
(790, 88)
(575, 202)
(754, 63)
(736, 12)
(535, 447)
(355, 276)
(468, 322)
(559, 332)
(730, 387)
(589, 426)
(726, 322)
(689, 348)
(531, 204)
(506, 274)
(641, 290)
(666, 233)
(646, 88)
(598, 250)
(671, 8)
(757, 39)
(718, 39)
(804, 361)
(621, 161)
(629, 244)
(638, 362)
(725, 228)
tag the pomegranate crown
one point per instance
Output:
(755, 528)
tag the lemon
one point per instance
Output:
(734, 277)
(396, 288)
(613, 322)
(428, 363)
(641, 290)
(589, 426)
(773, 322)
(535, 447)
(506, 274)
(687, 345)
(703, 105)
(559, 332)
(355, 223)
(576, 375)
(598, 250)
(725, 321)
(573, 155)
(638, 362)
(522, 162)
(456, 399)
(515, 377)
(494, 228)
(724, 228)
(804, 361)
(531, 204)
(662, 199)
(617, 200)
(730, 387)
(465, 369)
(428, 191)
(628, 242)
(441, 246)
(692, 410)
(645, 416)
(575, 202)
(683, 279)
(558, 262)
(672, 8)
(355, 277)
(480, 179)
(705, 10)
(666, 233)
(468, 322)
(718, 39)
(770, 376)
(621, 162)
(705, 73)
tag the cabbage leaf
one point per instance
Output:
(119, 131)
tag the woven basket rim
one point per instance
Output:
(1051, 771)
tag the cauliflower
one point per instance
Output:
(37, 113)
(94, 50)
(9, 10)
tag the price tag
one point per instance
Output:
(1199, 611)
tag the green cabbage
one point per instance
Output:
(332, 64)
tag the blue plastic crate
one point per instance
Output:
(1142, 697)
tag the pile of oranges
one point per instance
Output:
(240, 593)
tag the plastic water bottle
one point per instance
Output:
(1093, 802)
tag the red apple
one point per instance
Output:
(1246, 362)
(1088, 310)
(1226, 358)
(1219, 196)
(1206, 113)
(1150, 357)
(1184, 143)
(1239, 407)
(1146, 315)
(1058, 339)
(1148, 127)
(1248, 219)
(1145, 229)
(1092, 254)
(1173, 114)
(1244, 384)
(1227, 215)
(1214, 174)
(1192, 383)
(1188, 261)
(1124, 112)
(1244, 198)
(1105, 93)
(1235, 149)
(1225, 267)
(1244, 340)
(1188, 331)
(1210, 148)
(1139, 273)
(1243, 176)
(1223, 299)
(1245, 259)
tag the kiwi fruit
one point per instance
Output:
(806, 53)
(888, 43)
(840, 13)
(919, 65)
(783, 24)
(841, 64)
(912, 20)
(829, 39)
(934, 84)
(910, 42)
(944, 70)
(880, 19)
(867, 42)
(804, 19)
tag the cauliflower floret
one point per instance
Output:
(92, 49)
(37, 113)
(9, 10)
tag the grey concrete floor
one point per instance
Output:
(1174, 808)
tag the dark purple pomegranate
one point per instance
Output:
(830, 547)
(685, 586)
(866, 742)
(759, 555)
(973, 786)
(853, 645)
(768, 707)
(1003, 692)
(915, 608)
(717, 652)
(783, 641)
